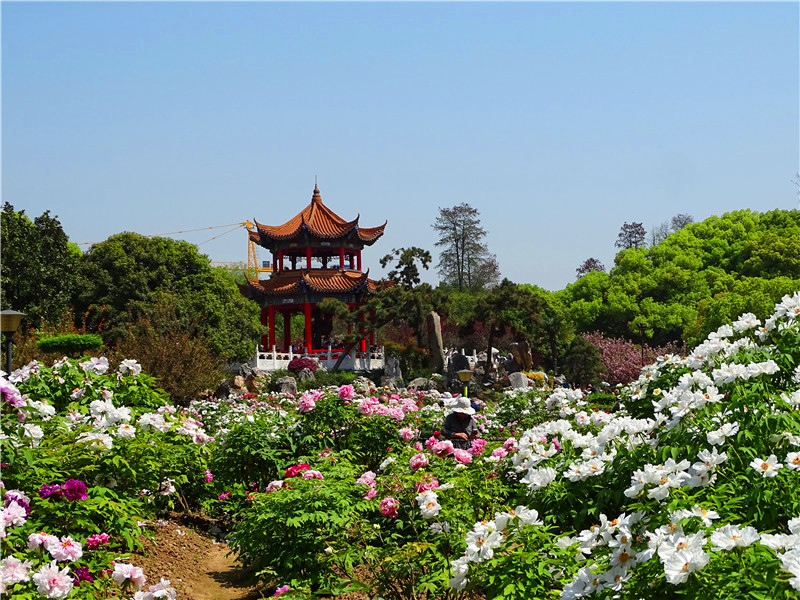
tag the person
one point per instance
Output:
(460, 426)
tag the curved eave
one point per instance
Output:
(370, 235)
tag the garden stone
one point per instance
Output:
(511, 365)
(391, 372)
(253, 384)
(238, 383)
(518, 381)
(420, 383)
(287, 385)
(458, 362)
(305, 374)
(223, 390)
(246, 371)
(435, 347)
(363, 385)
(526, 354)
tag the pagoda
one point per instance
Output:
(316, 255)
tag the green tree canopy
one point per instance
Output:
(122, 278)
(38, 271)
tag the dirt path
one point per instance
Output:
(198, 567)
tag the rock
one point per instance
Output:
(526, 354)
(511, 365)
(253, 384)
(321, 368)
(518, 381)
(435, 347)
(305, 374)
(458, 362)
(287, 385)
(420, 383)
(223, 390)
(391, 372)
(515, 353)
(238, 383)
(363, 385)
(245, 370)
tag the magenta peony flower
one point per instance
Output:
(281, 590)
(74, 490)
(99, 539)
(346, 392)
(209, 476)
(389, 507)
(81, 574)
(50, 490)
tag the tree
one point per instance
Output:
(464, 261)
(124, 277)
(659, 233)
(38, 271)
(680, 221)
(406, 272)
(589, 265)
(631, 235)
(506, 305)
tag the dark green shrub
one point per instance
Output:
(70, 344)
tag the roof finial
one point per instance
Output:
(316, 196)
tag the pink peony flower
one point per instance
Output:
(477, 447)
(371, 493)
(431, 442)
(13, 570)
(64, 549)
(367, 478)
(418, 461)
(51, 582)
(407, 433)
(36, 540)
(442, 449)
(306, 404)
(209, 476)
(281, 590)
(499, 452)
(224, 496)
(274, 485)
(510, 444)
(123, 572)
(312, 475)
(462, 456)
(429, 482)
(346, 392)
(389, 507)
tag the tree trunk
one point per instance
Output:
(489, 354)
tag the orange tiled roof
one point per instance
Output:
(322, 281)
(319, 220)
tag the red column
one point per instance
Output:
(280, 260)
(308, 257)
(307, 311)
(341, 258)
(363, 341)
(274, 261)
(287, 330)
(264, 338)
(294, 262)
(271, 314)
(358, 258)
(352, 263)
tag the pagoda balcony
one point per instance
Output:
(355, 360)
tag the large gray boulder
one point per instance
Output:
(305, 374)
(518, 381)
(434, 326)
(391, 372)
(458, 362)
(287, 385)
(420, 383)
(363, 385)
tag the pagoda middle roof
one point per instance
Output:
(323, 281)
(319, 220)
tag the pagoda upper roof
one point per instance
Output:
(322, 281)
(320, 221)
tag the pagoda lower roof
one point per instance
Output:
(322, 281)
(318, 220)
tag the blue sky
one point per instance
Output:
(557, 121)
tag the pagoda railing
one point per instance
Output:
(273, 360)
